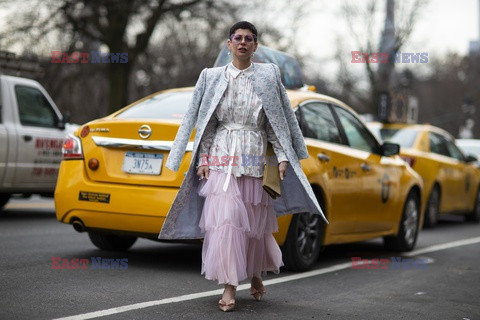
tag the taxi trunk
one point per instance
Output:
(116, 181)
(130, 152)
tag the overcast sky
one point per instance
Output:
(444, 26)
(448, 25)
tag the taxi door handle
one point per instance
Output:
(27, 138)
(365, 167)
(323, 157)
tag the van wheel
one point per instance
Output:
(4, 197)
(408, 231)
(111, 242)
(433, 205)
(304, 241)
(475, 214)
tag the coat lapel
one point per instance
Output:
(259, 88)
(222, 86)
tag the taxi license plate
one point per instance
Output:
(142, 163)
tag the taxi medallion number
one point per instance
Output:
(142, 163)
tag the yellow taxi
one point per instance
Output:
(451, 180)
(365, 188)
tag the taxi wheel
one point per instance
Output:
(408, 231)
(475, 214)
(4, 197)
(433, 205)
(111, 242)
(304, 241)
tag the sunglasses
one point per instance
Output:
(237, 38)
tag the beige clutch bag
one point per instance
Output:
(271, 176)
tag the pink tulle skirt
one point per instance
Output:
(238, 226)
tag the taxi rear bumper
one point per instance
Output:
(106, 206)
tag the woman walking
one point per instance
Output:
(238, 109)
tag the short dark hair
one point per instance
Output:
(243, 25)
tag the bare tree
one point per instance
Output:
(120, 26)
(449, 93)
(398, 26)
(183, 47)
(346, 82)
(180, 46)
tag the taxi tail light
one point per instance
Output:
(72, 148)
(409, 160)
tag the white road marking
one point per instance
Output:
(313, 273)
(30, 205)
(443, 246)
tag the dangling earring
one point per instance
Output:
(228, 52)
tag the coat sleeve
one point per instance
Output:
(188, 123)
(297, 137)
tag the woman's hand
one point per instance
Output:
(282, 169)
(202, 172)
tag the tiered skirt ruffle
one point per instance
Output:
(238, 226)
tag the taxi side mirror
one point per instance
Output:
(471, 158)
(389, 149)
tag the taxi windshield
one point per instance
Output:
(171, 105)
(405, 137)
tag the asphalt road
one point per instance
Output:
(163, 281)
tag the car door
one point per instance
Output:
(39, 139)
(3, 141)
(334, 161)
(448, 175)
(378, 177)
(462, 178)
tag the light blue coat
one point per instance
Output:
(297, 194)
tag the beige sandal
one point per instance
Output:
(257, 292)
(226, 307)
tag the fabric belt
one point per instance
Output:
(231, 127)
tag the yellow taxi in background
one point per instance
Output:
(450, 178)
(364, 187)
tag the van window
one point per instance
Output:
(34, 108)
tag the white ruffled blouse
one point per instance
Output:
(238, 129)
